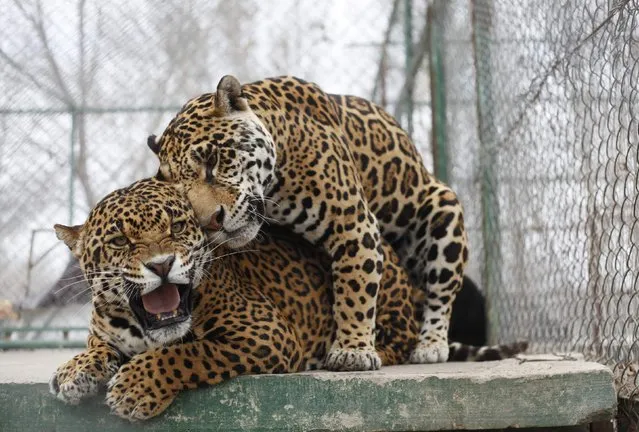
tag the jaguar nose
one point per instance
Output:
(161, 269)
(217, 220)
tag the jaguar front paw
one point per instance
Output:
(73, 389)
(81, 377)
(132, 395)
(352, 359)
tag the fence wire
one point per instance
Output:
(534, 106)
(543, 133)
(85, 81)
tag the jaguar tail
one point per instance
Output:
(468, 353)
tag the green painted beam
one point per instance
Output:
(490, 395)
(40, 344)
(62, 341)
(41, 329)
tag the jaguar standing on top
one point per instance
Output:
(336, 169)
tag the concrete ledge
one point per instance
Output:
(493, 395)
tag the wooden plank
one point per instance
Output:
(492, 395)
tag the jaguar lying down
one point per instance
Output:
(171, 312)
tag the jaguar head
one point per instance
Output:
(143, 252)
(225, 158)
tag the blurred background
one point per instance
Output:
(85, 82)
(529, 109)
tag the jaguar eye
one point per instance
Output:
(178, 227)
(119, 241)
(210, 164)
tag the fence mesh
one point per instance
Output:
(84, 82)
(543, 133)
(534, 112)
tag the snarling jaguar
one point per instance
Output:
(172, 311)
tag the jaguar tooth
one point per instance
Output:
(167, 315)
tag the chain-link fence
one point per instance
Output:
(542, 109)
(534, 114)
(84, 82)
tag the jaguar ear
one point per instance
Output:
(70, 235)
(228, 98)
(153, 144)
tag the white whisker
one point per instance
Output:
(215, 258)
(275, 203)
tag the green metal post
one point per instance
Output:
(72, 166)
(438, 92)
(482, 23)
(408, 49)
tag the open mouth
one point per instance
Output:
(166, 305)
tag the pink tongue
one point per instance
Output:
(166, 298)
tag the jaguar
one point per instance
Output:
(171, 310)
(337, 170)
